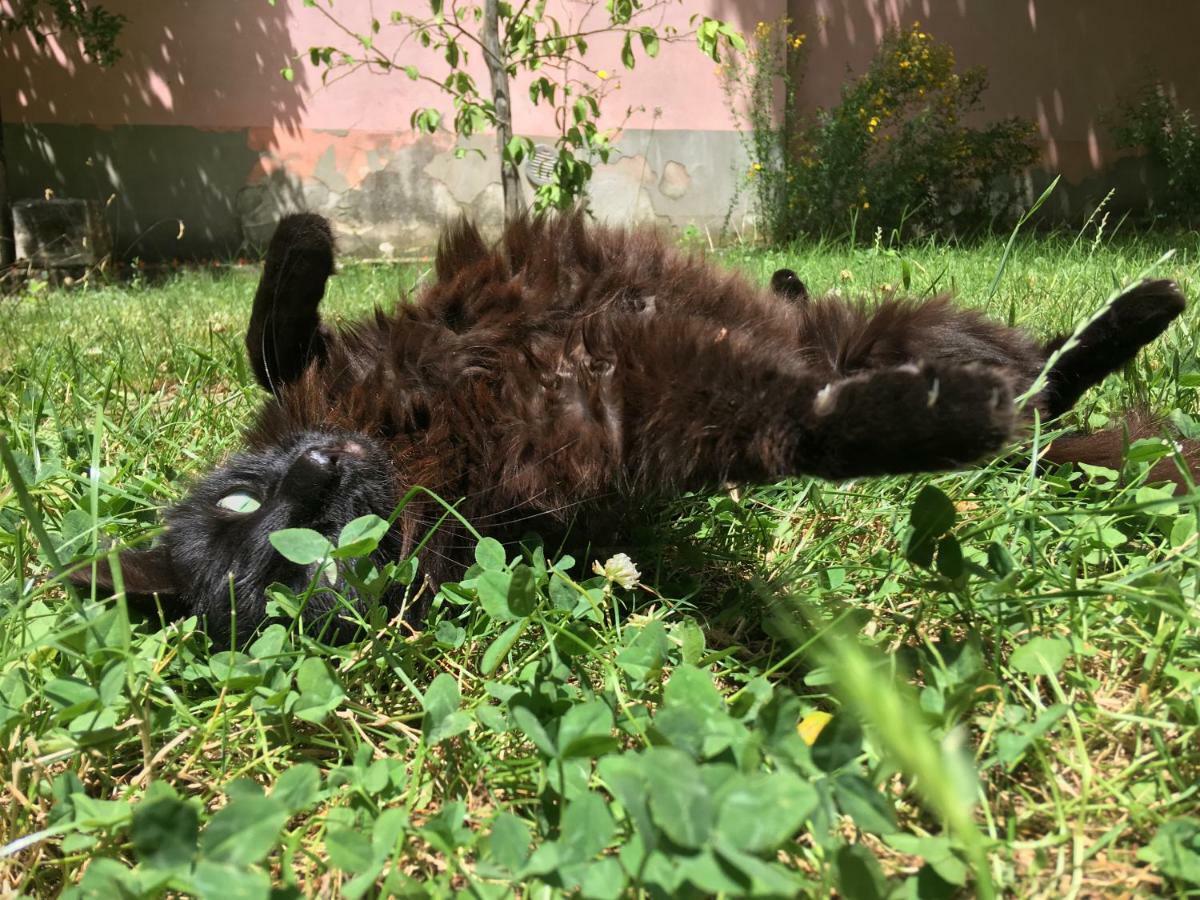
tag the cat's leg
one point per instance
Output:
(1135, 319)
(704, 408)
(285, 332)
(787, 283)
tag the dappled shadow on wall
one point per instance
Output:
(1063, 66)
(160, 136)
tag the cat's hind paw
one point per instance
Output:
(913, 418)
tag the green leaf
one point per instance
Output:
(302, 546)
(602, 880)
(693, 688)
(498, 649)
(489, 553)
(442, 718)
(297, 787)
(164, 832)
(950, 557)
(360, 536)
(389, 828)
(587, 827)
(506, 596)
(508, 843)
(1175, 850)
(92, 813)
(625, 778)
(1183, 529)
(244, 831)
(932, 516)
(349, 849)
(320, 691)
(864, 803)
(534, 730)
(758, 813)
(642, 659)
(627, 52)
(70, 696)
(679, 799)
(446, 830)
(1041, 656)
(937, 851)
(649, 41)
(221, 881)
(858, 874)
(586, 730)
(839, 743)
(106, 878)
(1148, 450)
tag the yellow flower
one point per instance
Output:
(904, 64)
(811, 726)
(602, 74)
(866, 205)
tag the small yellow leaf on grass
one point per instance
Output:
(810, 726)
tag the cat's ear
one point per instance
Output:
(285, 333)
(143, 572)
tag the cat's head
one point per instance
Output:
(216, 560)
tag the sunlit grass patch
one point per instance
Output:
(1011, 660)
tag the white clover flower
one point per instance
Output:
(619, 569)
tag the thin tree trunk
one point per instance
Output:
(510, 178)
(7, 242)
(797, 13)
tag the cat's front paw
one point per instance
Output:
(915, 418)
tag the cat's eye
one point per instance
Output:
(239, 502)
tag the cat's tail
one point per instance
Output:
(1109, 448)
(285, 332)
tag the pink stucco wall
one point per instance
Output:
(216, 63)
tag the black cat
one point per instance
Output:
(573, 365)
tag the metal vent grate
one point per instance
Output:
(539, 166)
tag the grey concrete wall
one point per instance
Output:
(176, 191)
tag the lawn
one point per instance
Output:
(1016, 713)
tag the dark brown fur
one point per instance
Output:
(571, 365)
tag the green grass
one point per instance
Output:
(1021, 720)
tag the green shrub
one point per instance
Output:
(894, 153)
(1152, 120)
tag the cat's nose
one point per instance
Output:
(322, 457)
(314, 469)
(328, 456)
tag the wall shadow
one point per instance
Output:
(160, 136)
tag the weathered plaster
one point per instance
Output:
(186, 192)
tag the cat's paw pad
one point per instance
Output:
(919, 417)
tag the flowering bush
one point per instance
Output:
(1152, 120)
(894, 153)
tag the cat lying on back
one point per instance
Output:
(571, 364)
